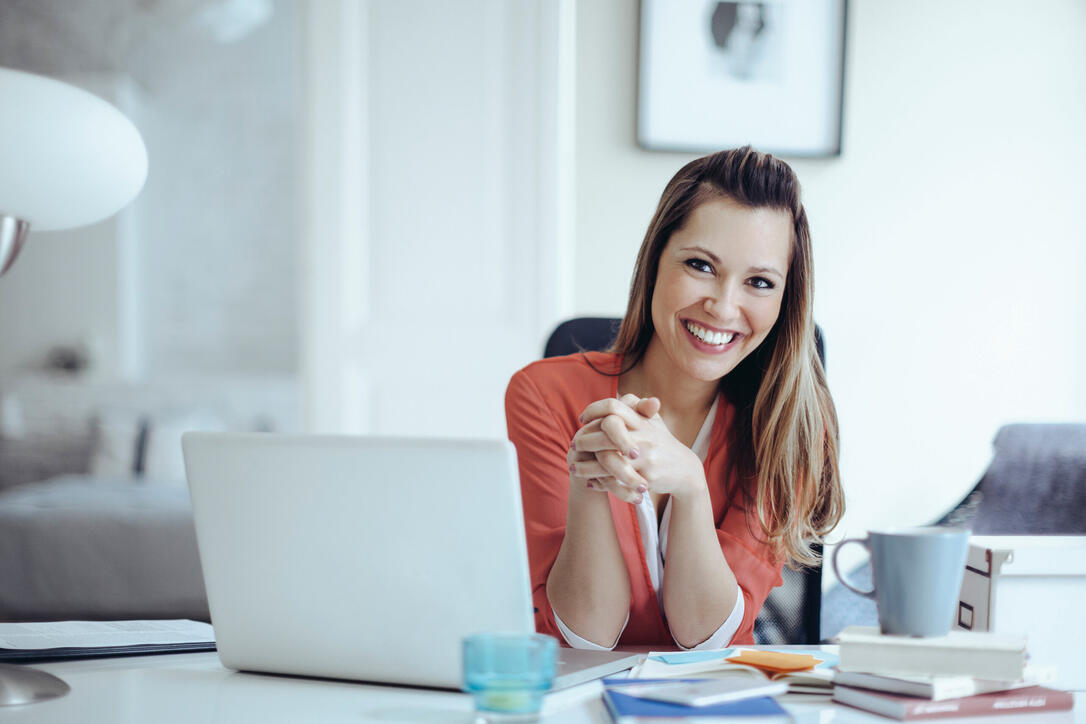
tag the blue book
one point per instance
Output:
(626, 709)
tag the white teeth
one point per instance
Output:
(717, 338)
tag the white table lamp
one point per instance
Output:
(67, 158)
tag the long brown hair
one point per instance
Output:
(785, 437)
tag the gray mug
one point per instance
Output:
(916, 575)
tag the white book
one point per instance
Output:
(976, 654)
(938, 688)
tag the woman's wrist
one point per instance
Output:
(692, 488)
(692, 485)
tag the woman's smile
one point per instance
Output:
(709, 339)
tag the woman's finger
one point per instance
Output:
(647, 407)
(618, 489)
(592, 475)
(575, 456)
(585, 469)
(600, 484)
(590, 428)
(593, 468)
(596, 441)
(583, 465)
(620, 468)
(611, 406)
(615, 430)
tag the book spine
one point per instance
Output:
(1049, 700)
(911, 660)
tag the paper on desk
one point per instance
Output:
(691, 663)
(691, 657)
(99, 634)
(775, 662)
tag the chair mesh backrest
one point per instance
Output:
(792, 611)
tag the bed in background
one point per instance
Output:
(95, 520)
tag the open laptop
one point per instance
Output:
(363, 558)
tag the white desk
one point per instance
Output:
(196, 688)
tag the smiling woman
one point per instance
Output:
(667, 481)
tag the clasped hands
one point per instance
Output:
(625, 448)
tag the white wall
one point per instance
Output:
(950, 236)
(435, 207)
(219, 217)
(199, 275)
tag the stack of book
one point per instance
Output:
(964, 673)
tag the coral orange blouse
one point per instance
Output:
(542, 404)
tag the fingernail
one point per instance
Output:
(642, 488)
(573, 467)
(633, 453)
(590, 484)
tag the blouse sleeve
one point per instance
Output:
(756, 576)
(722, 637)
(542, 442)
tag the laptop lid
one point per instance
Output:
(357, 557)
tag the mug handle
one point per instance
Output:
(837, 571)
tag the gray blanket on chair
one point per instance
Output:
(1036, 482)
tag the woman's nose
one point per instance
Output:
(723, 303)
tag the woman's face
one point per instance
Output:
(719, 286)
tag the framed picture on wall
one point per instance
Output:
(717, 75)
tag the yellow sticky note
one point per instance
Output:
(775, 661)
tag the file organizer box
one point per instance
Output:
(1034, 585)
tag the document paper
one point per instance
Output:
(102, 634)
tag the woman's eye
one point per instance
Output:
(700, 265)
(762, 283)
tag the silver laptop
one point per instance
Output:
(363, 558)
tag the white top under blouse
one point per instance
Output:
(654, 541)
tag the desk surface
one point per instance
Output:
(196, 688)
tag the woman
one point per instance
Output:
(666, 481)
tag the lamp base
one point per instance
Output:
(24, 685)
(12, 235)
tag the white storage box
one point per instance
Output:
(1034, 585)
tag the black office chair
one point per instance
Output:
(792, 612)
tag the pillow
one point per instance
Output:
(39, 455)
(118, 437)
(162, 458)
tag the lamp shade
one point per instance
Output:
(67, 157)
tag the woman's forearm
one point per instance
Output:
(588, 586)
(699, 588)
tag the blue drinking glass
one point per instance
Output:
(509, 673)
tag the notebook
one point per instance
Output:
(363, 558)
(628, 709)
